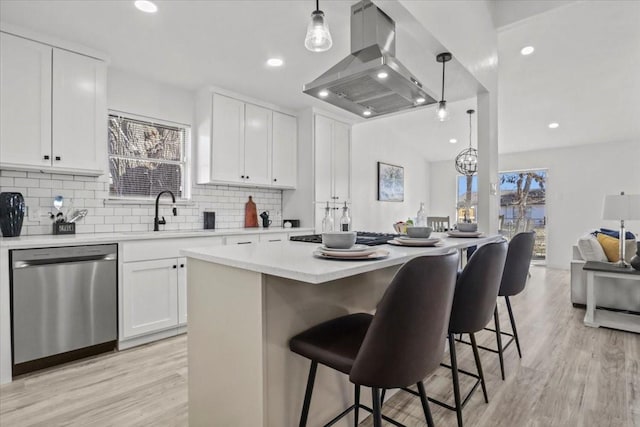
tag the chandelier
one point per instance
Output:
(467, 160)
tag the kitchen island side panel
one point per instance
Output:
(225, 346)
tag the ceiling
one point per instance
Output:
(584, 73)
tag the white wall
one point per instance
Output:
(373, 142)
(578, 179)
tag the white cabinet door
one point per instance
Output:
(257, 144)
(284, 169)
(227, 151)
(79, 112)
(341, 162)
(150, 296)
(323, 142)
(25, 102)
(182, 291)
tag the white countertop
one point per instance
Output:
(295, 260)
(48, 240)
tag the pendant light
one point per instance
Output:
(318, 36)
(467, 160)
(442, 112)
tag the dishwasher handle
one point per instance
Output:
(65, 260)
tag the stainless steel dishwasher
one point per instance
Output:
(64, 304)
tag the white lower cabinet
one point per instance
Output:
(151, 296)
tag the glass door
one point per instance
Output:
(523, 206)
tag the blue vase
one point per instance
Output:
(11, 214)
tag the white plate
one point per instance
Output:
(377, 254)
(416, 239)
(419, 243)
(456, 233)
(354, 248)
(348, 254)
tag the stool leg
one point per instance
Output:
(377, 412)
(357, 408)
(456, 383)
(382, 393)
(513, 326)
(476, 356)
(499, 340)
(307, 394)
(425, 405)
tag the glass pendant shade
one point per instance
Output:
(318, 36)
(442, 113)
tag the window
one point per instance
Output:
(467, 202)
(147, 157)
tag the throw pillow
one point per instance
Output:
(615, 233)
(610, 245)
(590, 249)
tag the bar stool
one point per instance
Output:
(397, 347)
(514, 279)
(473, 304)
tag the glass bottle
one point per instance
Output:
(345, 221)
(327, 221)
(421, 217)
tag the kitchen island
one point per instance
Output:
(245, 303)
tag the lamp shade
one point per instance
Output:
(621, 207)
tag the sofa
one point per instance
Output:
(611, 293)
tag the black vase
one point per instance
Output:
(635, 261)
(11, 214)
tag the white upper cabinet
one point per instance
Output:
(25, 102)
(53, 109)
(227, 145)
(236, 143)
(79, 111)
(332, 160)
(257, 144)
(284, 162)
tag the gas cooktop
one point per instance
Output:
(363, 238)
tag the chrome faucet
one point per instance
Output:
(157, 221)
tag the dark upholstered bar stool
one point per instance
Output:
(473, 304)
(397, 347)
(514, 279)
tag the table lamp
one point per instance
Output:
(621, 207)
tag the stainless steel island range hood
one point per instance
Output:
(370, 81)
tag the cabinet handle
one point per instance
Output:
(247, 176)
(335, 197)
(181, 265)
(242, 176)
(275, 179)
(175, 266)
(244, 243)
(46, 157)
(58, 158)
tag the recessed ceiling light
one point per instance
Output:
(366, 113)
(146, 6)
(323, 94)
(527, 50)
(275, 62)
(420, 100)
(553, 125)
(453, 140)
(382, 75)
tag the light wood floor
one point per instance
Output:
(570, 375)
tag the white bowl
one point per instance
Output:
(339, 239)
(419, 232)
(467, 226)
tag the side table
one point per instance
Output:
(596, 317)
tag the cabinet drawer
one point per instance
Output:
(242, 240)
(274, 237)
(142, 250)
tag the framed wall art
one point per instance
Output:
(390, 183)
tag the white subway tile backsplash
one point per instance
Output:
(90, 192)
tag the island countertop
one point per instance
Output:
(295, 260)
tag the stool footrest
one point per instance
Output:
(492, 350)
(366, 408)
